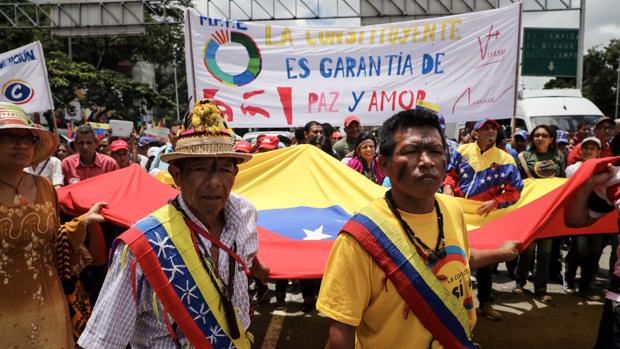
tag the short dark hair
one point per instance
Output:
(299, 135)
(403, 121)
(84, 130)
(310, 124)
(328, 129)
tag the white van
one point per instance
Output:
(565, 108)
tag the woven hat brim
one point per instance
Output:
(48, 142)
(169, 157)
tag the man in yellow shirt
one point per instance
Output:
(398, 275)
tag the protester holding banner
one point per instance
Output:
(483, 172)
(193, 251)
(541, 160)
(398, 275)
(37, 253)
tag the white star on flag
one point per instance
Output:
(316, 234)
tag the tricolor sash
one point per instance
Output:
(163, 247)
(438, 310)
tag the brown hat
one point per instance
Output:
(14, 117)
(205, 135)
(604, 119)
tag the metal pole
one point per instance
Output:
(617, 88)
(582, 29)
(70, 44)
(513, 121)
(176, 88)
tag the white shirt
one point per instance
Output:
(50, 168)
(570, 170)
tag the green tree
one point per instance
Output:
(102, 67)
(600, 66)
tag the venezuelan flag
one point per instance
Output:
(303, 197)
(100, 129)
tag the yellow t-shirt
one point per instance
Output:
(355, 290)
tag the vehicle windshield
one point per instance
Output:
(568, 123)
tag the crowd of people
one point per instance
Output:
(181, 274)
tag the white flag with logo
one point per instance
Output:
(23, 78)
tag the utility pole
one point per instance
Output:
(617, 87)
(176, 86)
(582, 28)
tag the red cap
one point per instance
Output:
(269, 142)
(350, 119)
(119, 144)
(243, 147)
(336, 135)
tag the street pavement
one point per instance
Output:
(568, 322)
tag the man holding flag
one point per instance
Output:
(177, 276)
(483, 172)
(398, 274)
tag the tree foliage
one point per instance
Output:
(600, 69)
(102, 67)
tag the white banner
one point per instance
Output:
(275, 76)
(23, 78)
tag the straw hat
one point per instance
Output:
(205, 134)
(14, 117)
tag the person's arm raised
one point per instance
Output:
(576, 212)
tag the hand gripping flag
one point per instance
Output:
(304, 196)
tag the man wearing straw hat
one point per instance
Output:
(178, 276)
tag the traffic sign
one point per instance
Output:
(550, 52)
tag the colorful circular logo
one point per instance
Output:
(223, 37)
(17, 91)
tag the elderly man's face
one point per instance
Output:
(205, 182)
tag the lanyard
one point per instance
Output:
(199, 230)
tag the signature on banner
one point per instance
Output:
(465, 99)
(489, 53)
